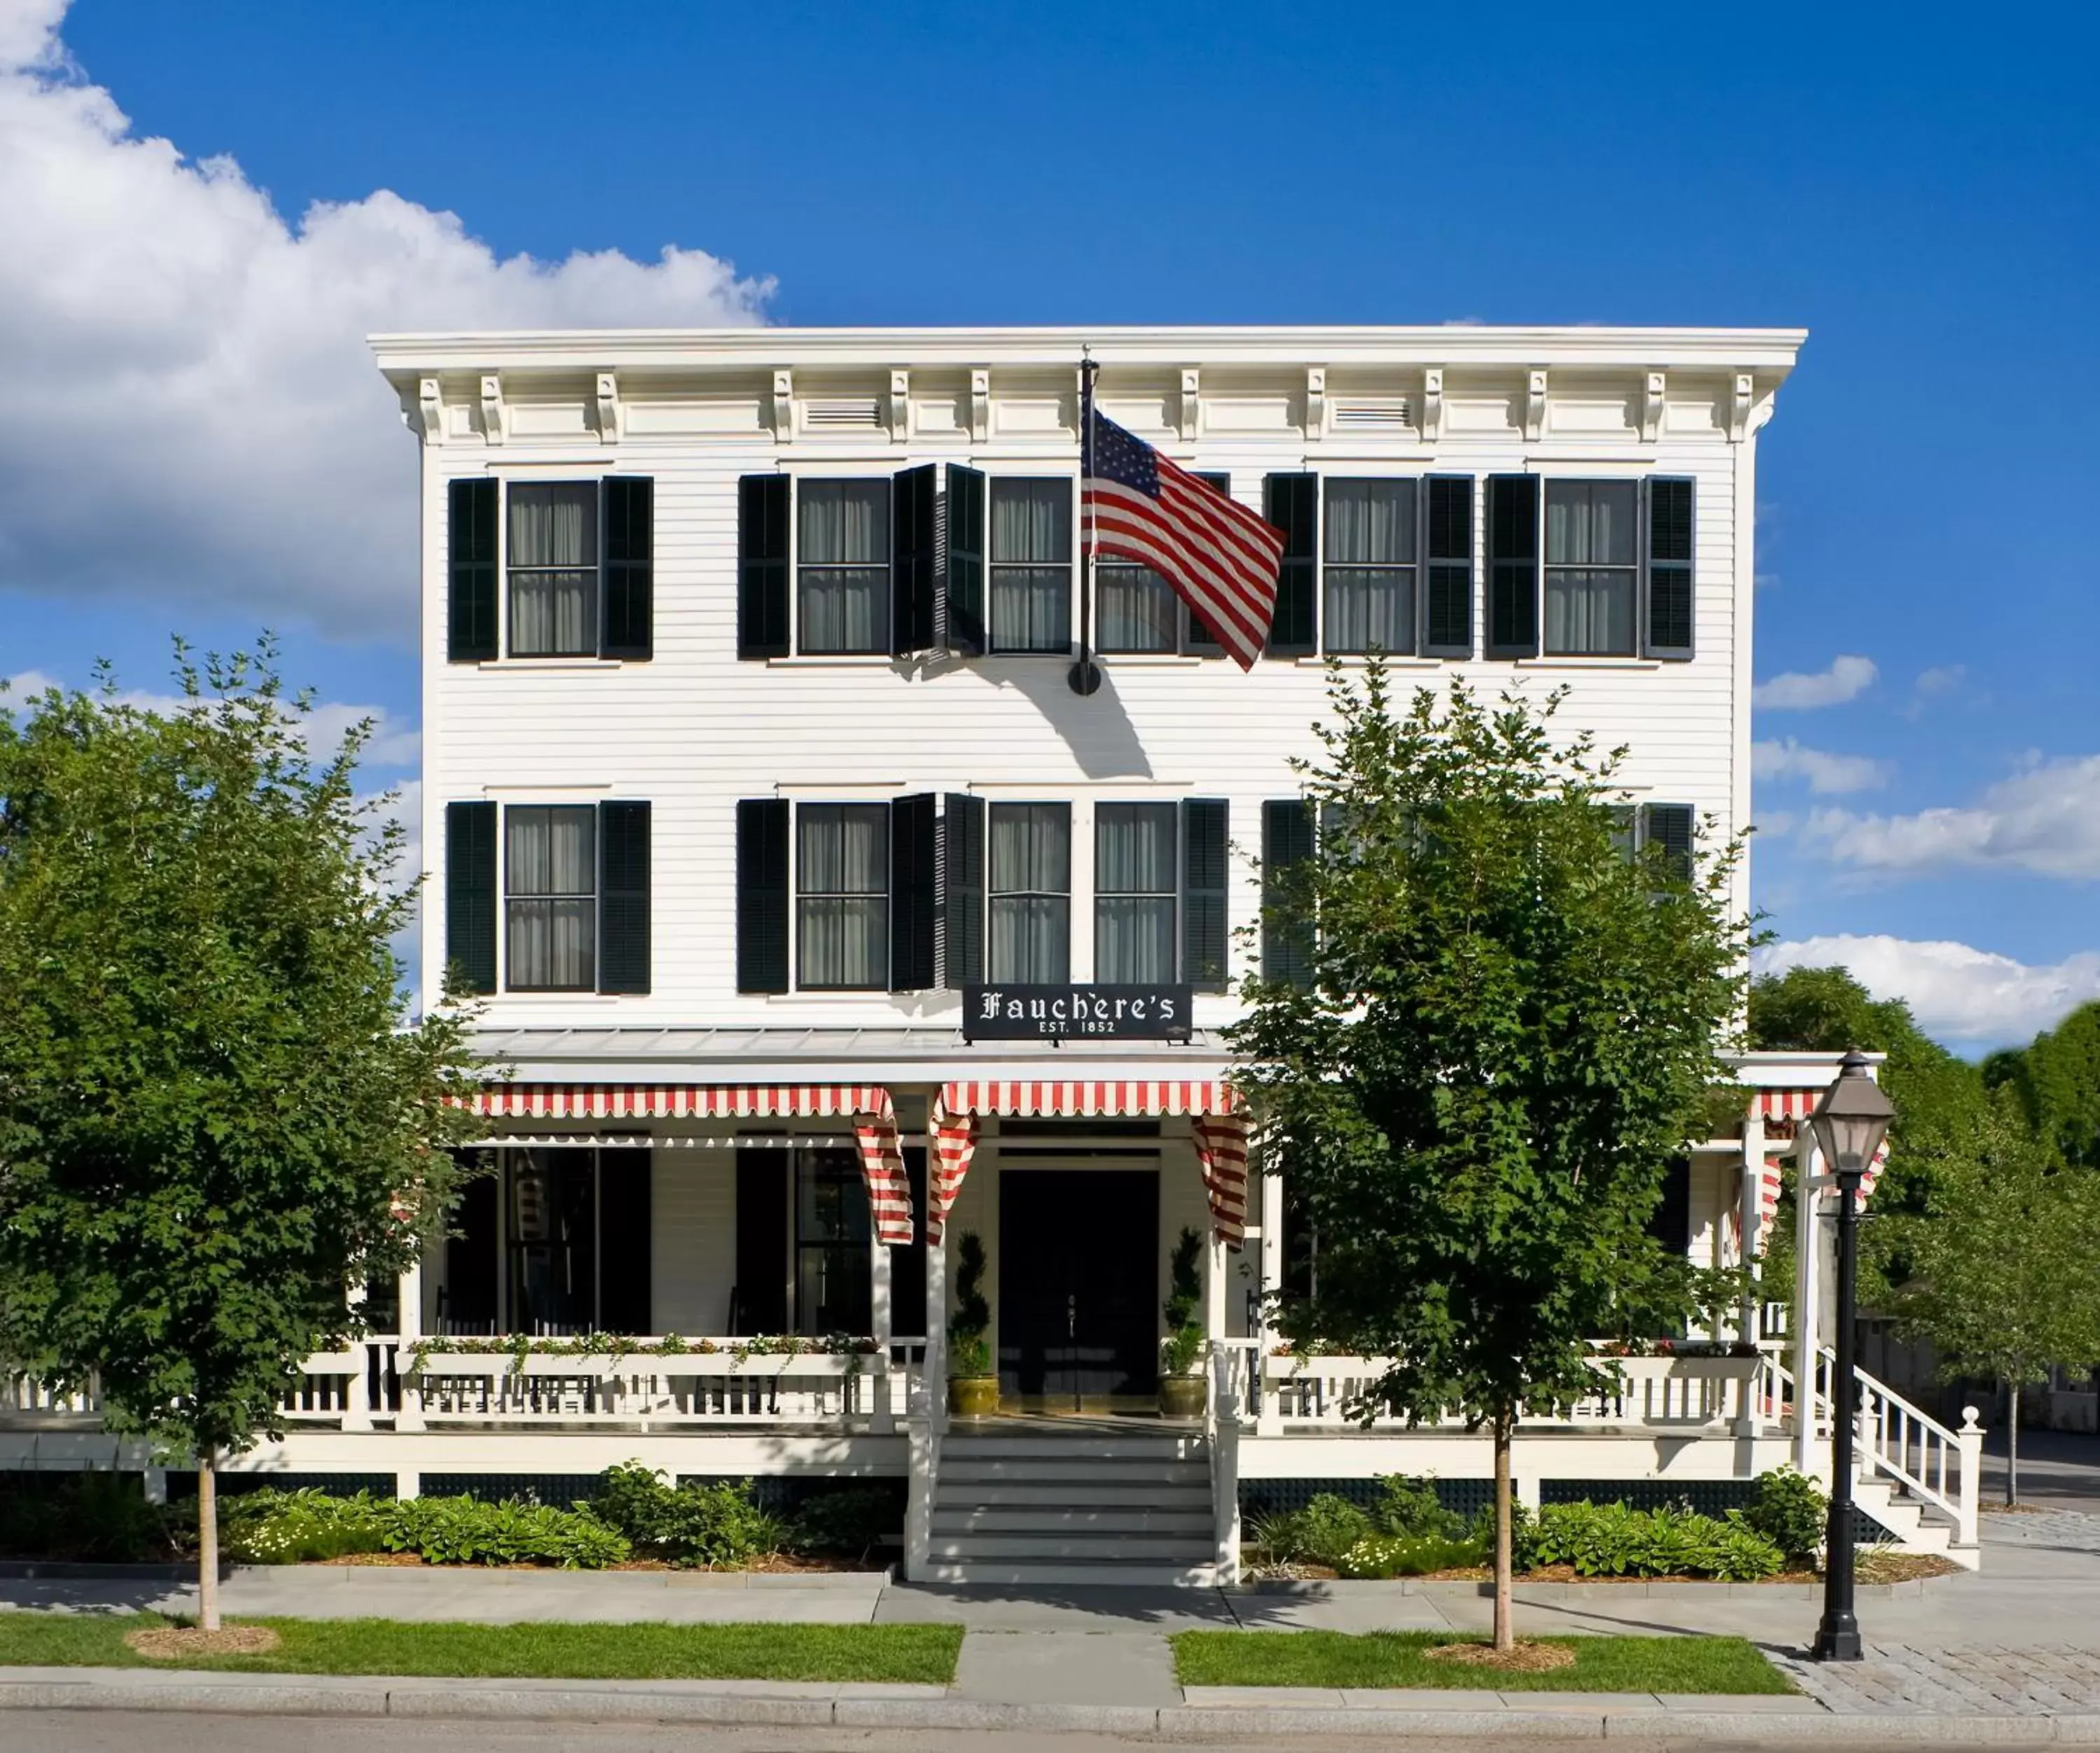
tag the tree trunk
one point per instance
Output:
(2012, 1449)
(1505, 1631)
(208, 1540)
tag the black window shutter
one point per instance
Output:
(470, 894)
(761, 565)
(1201, 641)
(624, 1298)
(1286, 840)
(471, 606)
(1669, 826)
(1447, 628)
(965, 581)
(759, 1303)
(1670, 1222)
(623, 899)
(963, 888)
(1669, 569)
(761, 894)
(1203, 891)
(914, 863)
(1291, 502)
(914, 497)
(1512, 566)
(630, 566)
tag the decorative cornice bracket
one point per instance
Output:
(1655, 385)
(783, 407)
(1192, 403)
(980, 404)
(491, 407)
(1534, 404)
(1742, 397)
(430, 411)
(1316, 402)
(900, 407)
(610, 428)
(1432, 403)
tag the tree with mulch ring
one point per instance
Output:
(186, 1643)
(1374, 1660)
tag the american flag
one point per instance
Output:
(1221, 559)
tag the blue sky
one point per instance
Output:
(201, 446)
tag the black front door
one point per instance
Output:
(1078, 1277)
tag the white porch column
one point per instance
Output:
(409, 1294)
(1807, 1293)
(1267, 1421)
(1749, 1326)
(884, 1419)
(934, 1371)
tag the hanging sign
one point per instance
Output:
(1077, 1013)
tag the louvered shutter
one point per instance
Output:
(1512, 566)
(1669, 826)
(470, 894)
(762, 504)
(964, 584)
(623, 901)
(1669, 632)
(625, 1238)
(1447, 625)
(758, 1303)
(470, 601)
(963, 888)
(1286, 840)
(1291, 502)
(914, 584)
(630, 566)
(1203, 891)
(761, 894)
(1199, 641)
(913, 859)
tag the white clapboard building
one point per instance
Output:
(822, 924)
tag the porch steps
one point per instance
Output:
(1081, 1506)
(1914, 1526)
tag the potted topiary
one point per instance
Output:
(972, 1388)
(1180, 1383)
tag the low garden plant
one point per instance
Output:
(1792, 1511)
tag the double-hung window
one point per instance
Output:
(1030, 893)
(1592, 567)
(552, 562)
(842, 566)
(1137, 612)
(842, 895)
(1032, 564)
(1371, 560)
(550, 898)
(1134, 892)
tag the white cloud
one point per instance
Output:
(2044, 819)
(1847, 679)
(1964, 996)
(1941, 679)
(1827, 774)
(197, 415)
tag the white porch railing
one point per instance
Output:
(28, 1396)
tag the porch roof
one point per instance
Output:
(899, 1054)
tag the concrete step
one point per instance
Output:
(1147, 1448)
(1194, 1524)
(1074, 1494)
(1028, 1470)
(1052, 1549)
(1071, 1575)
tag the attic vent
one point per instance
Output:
(858, 414)
(1372, 414)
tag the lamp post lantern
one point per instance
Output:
(1850, 1123)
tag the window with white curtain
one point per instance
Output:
(552, 555)
(842, 566)
(1134, 892)
(1371, 556)
(1030, 894)
(1135, 609)
(1032, 564)
(1592, 567)
(550, 898)
(842, 895)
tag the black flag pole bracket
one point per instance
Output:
(1086, 674)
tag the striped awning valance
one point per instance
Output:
(1220, 1128)
(1784, 1112)
(867, 1106)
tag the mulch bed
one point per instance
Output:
(1525, 1658)
(172, 1642)
(779, 1565)
(1874, 1568)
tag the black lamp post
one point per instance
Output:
(1851, 1122)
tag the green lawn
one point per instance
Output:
(651, 1651)
(1396, 1658)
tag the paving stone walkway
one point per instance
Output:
(1972, 1679)
(2074, 1528)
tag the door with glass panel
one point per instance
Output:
(832, 1239)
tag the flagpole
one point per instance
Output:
(1085, 676)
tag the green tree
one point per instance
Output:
(2057, 1078)
(1509, 1029)
(216, 1118)
(2003, 1257)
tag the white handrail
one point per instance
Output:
(1948, 1463)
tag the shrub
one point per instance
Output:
(1401, 1554)
(969, 1354)
(103, 1517)
(1791, 1511)
(1612, 1539)
(463, 1530)
(855, 1520)
(1184, 1343)
(688, 1524)
(1324, 1532)
(1523, 1534)
(1410, 1506)
(273, 1527)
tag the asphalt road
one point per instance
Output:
(174, 1732)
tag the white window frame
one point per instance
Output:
(1074, 561)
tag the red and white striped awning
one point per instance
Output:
(867, 1105)
(1220, 1128)
(1784, 1111)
